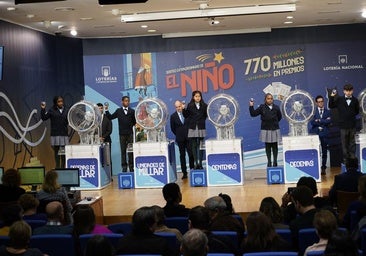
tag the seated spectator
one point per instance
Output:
(273, 211)
(98, 245)
(194, 243)
(347, 181)
(9, 189)
(55, 218)
(19, 237)
(173, 198)
(341, 244)
(229, 205)
(288, 208)
(142, 239)
(29, 204)
(11, 214)
(358, 206)
(161, 227)
(325, 224)
(199, 218)
(84, 222)
(302, 198)
(261, 236)
(52, 191)
(220, 219)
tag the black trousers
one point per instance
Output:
(348, 143)
(184, 146)
(124, 140)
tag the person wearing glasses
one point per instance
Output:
(319, 125)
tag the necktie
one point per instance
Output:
(181, 117)
(321, 113)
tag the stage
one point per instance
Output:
(119, 204)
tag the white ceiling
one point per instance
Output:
(92, 20)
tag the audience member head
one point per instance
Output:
(50, 184)
(84, 220)
(271, 209)
(55, 211)
(11, 178)
(19, 235)
(341, 244)
(28, 203)
(159, 214)
(309, 182)
(194, 243)
(260, 229)
(362, 186)
(229, 205)
(98, 245)
(325, 223)
(144, 221)
(352, 164)
(216, 205)
(199, 218)
(302, 198)
(11, 214)
(172, 194)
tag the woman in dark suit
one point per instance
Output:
(196, 112)
(59, 127)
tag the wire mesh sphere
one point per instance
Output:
(298, 107)
(222, 110)
(151, 114)
(84, 116)
(362, 100)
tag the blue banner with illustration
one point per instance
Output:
(244, 73)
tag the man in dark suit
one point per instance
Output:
(319, 125)
(106, 126)
(126, 121)
(348, 108)
(347, 181)
(179, 127)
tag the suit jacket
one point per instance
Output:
(320, 127)
(106, 129)
(125, 121)
(179, 129)
(347, 181)
(347, 114)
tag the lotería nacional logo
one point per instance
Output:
(344, 63)
(106, 76)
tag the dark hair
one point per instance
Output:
(265, 96)
(11, 178)
(199, 217)
(50, 184)
(84, 220)
(341, 244)
(19, 235)
(348, 87)
(159, 214)
(352, 163)
(325, 223)
(309, 182)
(319, 97)
(125, 97)
(11, 214)
(194, 243)
(194, 93)
(99, 104)
(303, 195)
(261, 232)
(142, 221)
(99, 245)
(28, 202)
(55, 99)
(229, 205)
(171, 193)
(271, 209)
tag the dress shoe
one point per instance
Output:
(184, 176)
(323, 170)
(274, 164)
(269, 164)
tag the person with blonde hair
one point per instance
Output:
(52, 191)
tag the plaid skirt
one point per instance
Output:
(270, 136)
(59, 140)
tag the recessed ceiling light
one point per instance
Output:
(86, 18)
(115, 12)
(144, 26)
(363, 14)
(64, 9)
(288, 22)
(73, 32)
(30, 16)
(289, 17)
(151, 30)
(11, 8)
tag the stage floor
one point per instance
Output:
(119, 204)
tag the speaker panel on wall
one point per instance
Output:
(35, 1)
(105, 2)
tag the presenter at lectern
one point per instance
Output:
(59, 127)
(270, 129)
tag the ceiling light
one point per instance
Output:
(115, 12)
(288, 22)
(207, 13)
(73, 32)
(11, 8)
(64, 9)
(30, 16)
(151, 30)
(144, 26)
(47, 23)
(363, 14)
(216, 32)
(289, 17)
(86, 18)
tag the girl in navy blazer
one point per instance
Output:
(270, 129)
(196, 113)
